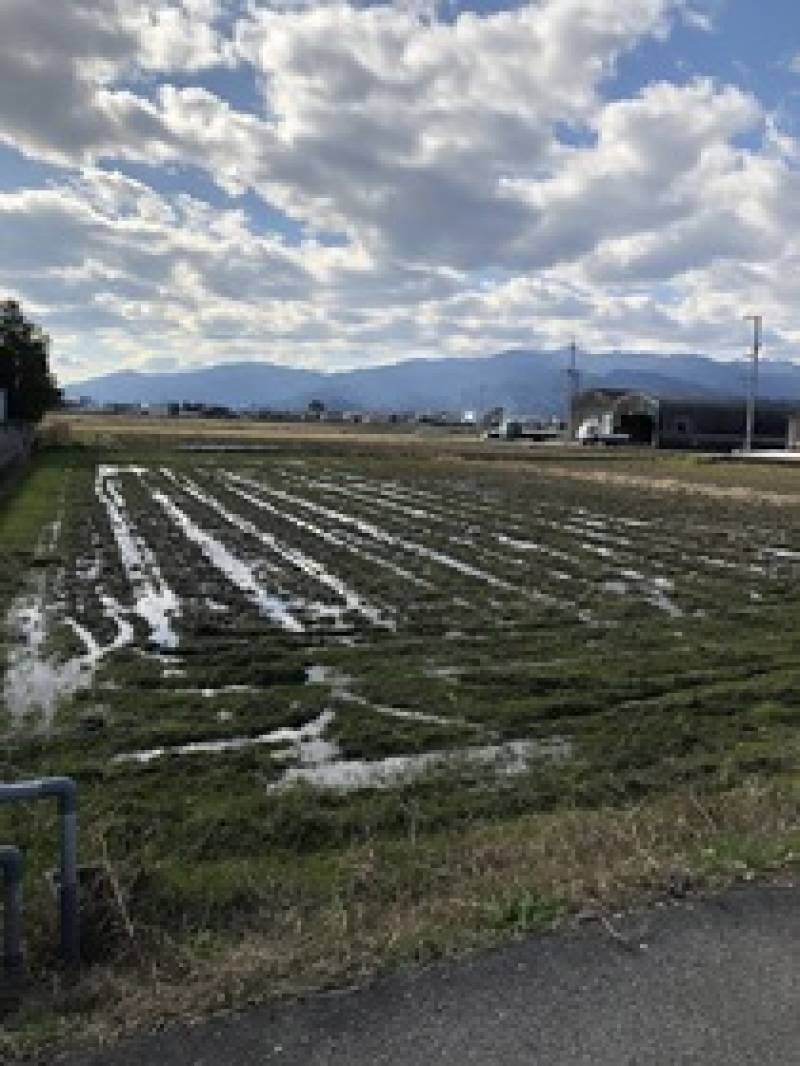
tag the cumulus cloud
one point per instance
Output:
(123, 257)
(435, 185)
(400, 130)
(61, 66)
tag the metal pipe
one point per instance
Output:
(65, 791)
(11, 863)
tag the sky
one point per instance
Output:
(330, 185)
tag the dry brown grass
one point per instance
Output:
(121, 429)
(448, 444)
(671, 484)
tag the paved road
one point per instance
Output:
(717, 984)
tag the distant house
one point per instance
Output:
(439, 418)
(681, 422)
(123, 408)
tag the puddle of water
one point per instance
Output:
(422, 551)
(154, 600)
(351, 774)
(520, 544)
(340, 686)
(238, 572)
(633, 575)
(517, 544)
(33, 684)
(308, 744)
(598, 549)
(716, 562)
(780, 553)
(383, 536)
(654, 590)
(444, 673)
(621, 588)
(323, 534)
(404, 714)
(210, 693)
(374, 496)
(304, 563)
(319, 674)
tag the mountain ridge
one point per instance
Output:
(521, 380)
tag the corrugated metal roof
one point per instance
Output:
(697, 401)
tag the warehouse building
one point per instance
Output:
(673, 422)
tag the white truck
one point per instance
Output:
(600, 431)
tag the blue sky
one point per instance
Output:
(186, 182)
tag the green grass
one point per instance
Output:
(35, 499)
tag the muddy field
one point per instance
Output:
(365, 601)
(255, 663)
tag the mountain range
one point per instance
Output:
(520, 381)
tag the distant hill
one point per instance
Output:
(520, 381)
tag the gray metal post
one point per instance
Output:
(11, 863)
(68, 889)
(752, 390)
(572, 390)
(65, 791)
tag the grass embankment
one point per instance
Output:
(684, 734)
(32, 500)
(315, 921)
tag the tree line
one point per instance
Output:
(25, 366)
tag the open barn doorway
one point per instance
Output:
(639, 427)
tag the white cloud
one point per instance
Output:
(61, 64)
(434, 150)
(401, 130)
(698, 18)
(180, 36)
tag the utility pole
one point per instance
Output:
(572, 389)
(753, 384)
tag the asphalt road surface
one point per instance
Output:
(714, 982)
